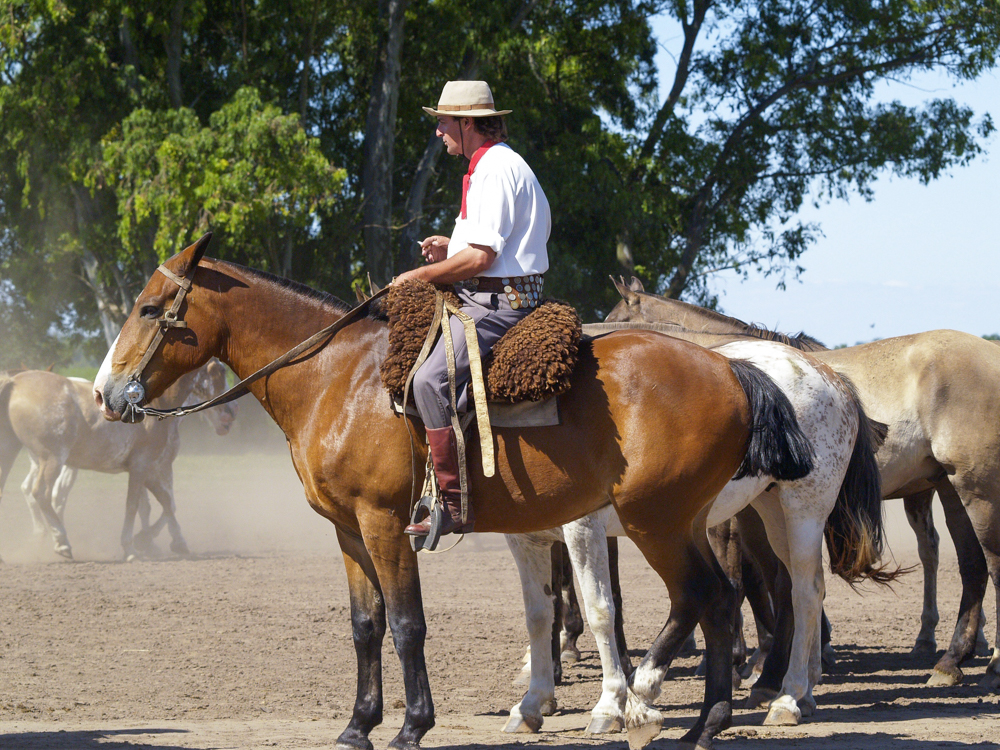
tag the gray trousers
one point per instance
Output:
(494, 317)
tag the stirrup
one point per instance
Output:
(433, 508)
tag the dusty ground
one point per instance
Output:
(247, 645)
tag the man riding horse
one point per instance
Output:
(495, 256)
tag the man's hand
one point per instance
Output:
(435, 248)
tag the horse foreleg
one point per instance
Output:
(396, 567)
(587, 542)
(60, 493)
(136, 488)
(534, 566)
(920, 516)
(974, 574)
(368, 629)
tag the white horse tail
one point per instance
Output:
(777, 446)
(855, 529)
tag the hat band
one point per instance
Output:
(463, 107)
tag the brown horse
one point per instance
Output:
(653, 425)
(939, 393)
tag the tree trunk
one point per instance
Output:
(174, 43)
(376, 173)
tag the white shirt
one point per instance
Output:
(507, 211)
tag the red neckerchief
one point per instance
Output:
(472, 168)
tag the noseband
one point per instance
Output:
(135, 393)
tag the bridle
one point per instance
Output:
(135, 393)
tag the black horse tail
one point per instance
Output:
(855, 529)
(777, 446)
(10, 445)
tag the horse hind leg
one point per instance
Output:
(920, 516)
(975, 574)
(163, 491)
(39, 525)
(699, 593)
(572, 619)
(41, 490)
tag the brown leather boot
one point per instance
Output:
(444, 454)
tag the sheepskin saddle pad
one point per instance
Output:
(533, 361)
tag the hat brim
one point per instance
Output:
(467, 112)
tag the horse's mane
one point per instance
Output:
(293, 286)
(801, 341)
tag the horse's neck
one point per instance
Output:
(692, 317)
(265, 322)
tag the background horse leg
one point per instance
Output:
(368, 629)
(60, 493)
(163, 490)
(558, 560)
(49, 468)
(919, 514)
(974, 573)
(571, 617)
(136, 488)
(616, 595)
(699, 592)
(760, 570)
(38, 524)
(984, 513)
(534, 566)
(587, 544)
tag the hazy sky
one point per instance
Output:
(915, 258)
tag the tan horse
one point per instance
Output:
(56, 420)
(653, 425)
(939, 392)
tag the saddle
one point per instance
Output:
(532, 362)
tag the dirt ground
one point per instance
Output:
(248, 645)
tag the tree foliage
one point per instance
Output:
(127, 128)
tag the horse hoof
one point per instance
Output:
(640, 736)
(783, 713)
(828, 658)
(64, 552)
(940, 678)
(760, 698)
(518, 724)
(702, 669)
(180, 548)
(924, 648)
(605, 725)
(570, 655)
(807, 706)
(990, 681)
(549, 707)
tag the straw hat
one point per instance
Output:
(466, 99)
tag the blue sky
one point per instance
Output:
(917, 257)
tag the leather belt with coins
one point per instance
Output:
(521, 291)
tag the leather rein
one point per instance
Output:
(135, 393)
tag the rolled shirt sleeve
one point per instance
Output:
(490, 218)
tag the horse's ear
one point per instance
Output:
(191, 255)
(627, 294)
(360, 294)
(373, 288)
(636, 285)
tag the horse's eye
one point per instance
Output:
(150, 311)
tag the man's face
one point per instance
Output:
(449, 131)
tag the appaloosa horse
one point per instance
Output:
(939, 393)
(795, 514)
(654, 425)
(56, 420)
